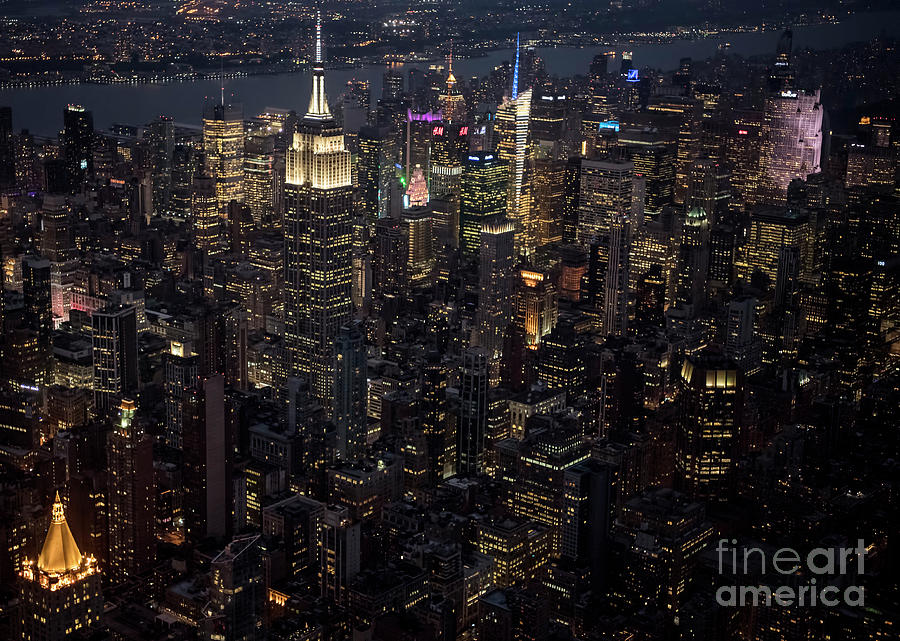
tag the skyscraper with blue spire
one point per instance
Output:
(512, 125)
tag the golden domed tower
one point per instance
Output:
(453, 105)
(61, 592)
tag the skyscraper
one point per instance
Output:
(7, 150)
(688, 113)
(791, 142)
(237, 592)
(114, 340)
(60, 592)
(449, 143)
(482, 195)
(182, 371)
(132, 497)
(615, 296)
(710, 415)
(205, 213)
(473, 411)
(223, 145)
(350, 391)
(259, 176)
(417, 230)
(207, 461)
(78, 138)
(339, 552)
(497, 281)
(37, 290)
(162, 143)
(537, 305)
(453, 105)
(513, 124)
(773, 229)
(375, 169)
(318, 243)
(693, 261)
(605, 192)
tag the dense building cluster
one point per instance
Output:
(494, 360)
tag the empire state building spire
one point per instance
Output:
(318, 101)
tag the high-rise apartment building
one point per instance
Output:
(615, 293)
(339, 552)
(237, 592)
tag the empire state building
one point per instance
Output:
(317, 237)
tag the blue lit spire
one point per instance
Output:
(515, 87)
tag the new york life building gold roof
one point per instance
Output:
(60, 553)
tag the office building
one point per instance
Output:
(237, 592)
(339, 553)
(497, 280)
(473, 411)
(259, 177)
(350, 391)
(537, 305)
(132, 497)
(223, 147)
(318, 240)
(60, 592)
(791, 142)
(114, 340)
(605, 192)
(711, 406)
(483, 194)
(206, 439)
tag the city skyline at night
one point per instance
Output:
(449, 322)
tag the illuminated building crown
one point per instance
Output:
(417, 192)
(60, 553)
(318, 101)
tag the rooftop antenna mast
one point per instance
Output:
(515, 87)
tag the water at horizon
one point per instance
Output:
(40, 109)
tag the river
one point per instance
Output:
(39, 109)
